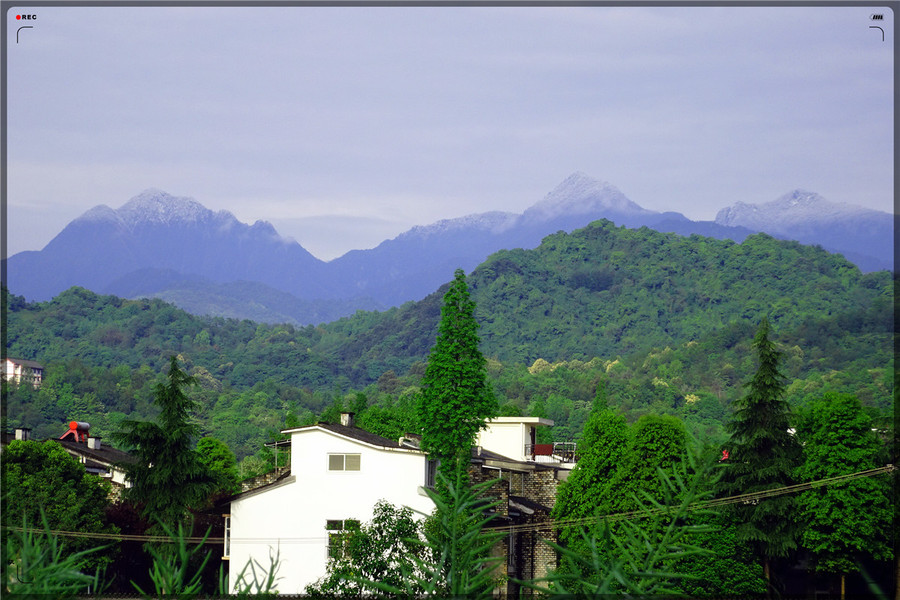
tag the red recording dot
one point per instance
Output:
(18, 17)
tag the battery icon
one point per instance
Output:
(877, 17)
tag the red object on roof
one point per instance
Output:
(78, 430)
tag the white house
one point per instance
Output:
(338, 473)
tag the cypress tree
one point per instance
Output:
(456, 397)
(763, 455)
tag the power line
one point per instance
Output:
(751, 497)
(550, 524)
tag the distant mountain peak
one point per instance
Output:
(797, 207)
(101, 212)
(801, 198)
(493, 221)
(156, 206)
(581, 194)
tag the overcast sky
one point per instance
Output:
(346, 126)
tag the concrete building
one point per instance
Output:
(16, 370)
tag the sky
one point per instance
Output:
(345, 126)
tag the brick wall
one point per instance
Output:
(540, 486)
(264, 479)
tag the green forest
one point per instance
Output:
(662, 323)
(659, 355)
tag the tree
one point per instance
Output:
(842, 523)
(640, 554)
(456, 398)
(219, 461)
(654, 442)
(580, 497)
(380, 551)
(600, 452)
(42, 483)
(168, 477)
(763, 455)
(455, 559)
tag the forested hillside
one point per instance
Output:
(663, 322)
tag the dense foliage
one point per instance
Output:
(842, 524)
(44, 484)
(600, 453)
(380, 550)
(665, 321)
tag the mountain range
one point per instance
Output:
(158, 245)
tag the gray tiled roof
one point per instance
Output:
(358, 434)
(106, 454)
(26, 363)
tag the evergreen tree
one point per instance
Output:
(842, 523)
(763, 455)
(169, 477)
(456, 398)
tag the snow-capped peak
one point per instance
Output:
(582, 194)
(156, 206)
(153, 206)
(797, 207)
(494, 222)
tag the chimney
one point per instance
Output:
(23, 433)
(347, 419)
(94, 442)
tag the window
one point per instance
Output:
(227, 552)
(338, 532)
(343, 462)
(431, 466)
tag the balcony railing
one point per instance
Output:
(557, 452)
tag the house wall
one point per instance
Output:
(290, 517)
(509, 435)
(508, 439)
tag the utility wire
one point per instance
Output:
(752, 497)
(748, 498)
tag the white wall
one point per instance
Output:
(291, 517)
(508, 439)
(509, 435)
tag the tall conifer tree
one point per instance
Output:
(169, 477)
(456, 398)
(763, 455)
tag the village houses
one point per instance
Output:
(98, 458)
